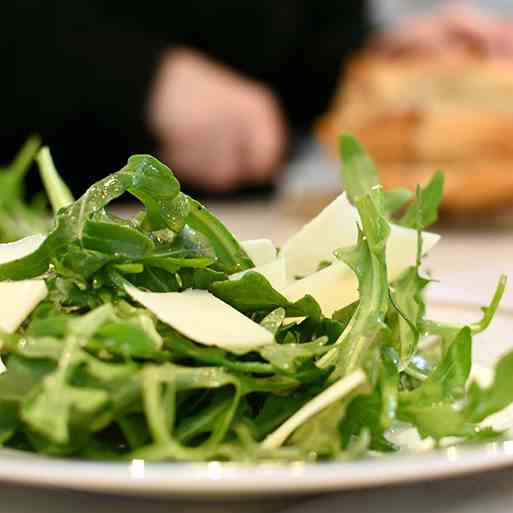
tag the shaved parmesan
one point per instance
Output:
(335, 227)
(336, 286)
(205, 319)
(19, 298)
(20, 248)
(402, 249)
(335, 392)
(333, 288)
(261, 251)
(275, 273)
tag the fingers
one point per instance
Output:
(266, 141)
(206, 156)
(217, 131)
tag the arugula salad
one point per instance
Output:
(163, 337)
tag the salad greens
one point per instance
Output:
(92, 373)
(17, 217)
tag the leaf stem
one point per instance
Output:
(58, 192)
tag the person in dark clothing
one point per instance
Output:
(213, 88)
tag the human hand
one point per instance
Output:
(217, 130)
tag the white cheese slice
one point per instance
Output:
(402, 249)
(335, 227)
(204, 318)
(275, 273)
(20, 248)
(261, 251)
(336, 286)
(19, 298)
(332, 287)
(338, 390)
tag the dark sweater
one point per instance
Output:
(77, 71)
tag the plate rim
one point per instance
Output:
(217, 479)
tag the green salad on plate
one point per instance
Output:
(163, 337)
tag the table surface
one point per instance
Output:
(468, 262)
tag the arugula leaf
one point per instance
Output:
(231, 257)
(483, 402)
(58, 192)
(364, 413)
(432, 409)
(366, 259)
(183, 349)
(448, 379)
(253, 293)
(288, 357)
(490, 310)
(407, 298)
(320, 435)
(368, 320)
(427, 205)
(358, 173)
(396, 199)
(448, 331)
(141, 176)
(18, 218)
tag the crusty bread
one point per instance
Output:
(419, 114)
(470, 186)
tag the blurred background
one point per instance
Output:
(245, 99)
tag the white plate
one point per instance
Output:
(216, 479)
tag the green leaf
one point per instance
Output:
(22, 376)
(447, 332)
(253, 293)
(359, 175)
(320, 434)
(115, 239)
(58, 192)
(407, 298)
(274, 320)
(276, 410)
(231, 257)
(141, 174)
(483, 402)
(368, 321)
(9, 419)
(184, 349)
(427, 208)
(155, 186)
(18, 218)
(364, 412)
(124, 339)
(396, 199)
(49, 411)
(289, 357)
(490, 310)
(447, 381)
(389, 386)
